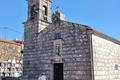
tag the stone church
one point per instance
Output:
(63, 50)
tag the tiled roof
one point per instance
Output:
(11, 42)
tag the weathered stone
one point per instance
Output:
(84, 55)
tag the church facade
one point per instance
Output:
(63, 50)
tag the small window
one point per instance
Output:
(33, 12)
(57, 36)
(116, 67)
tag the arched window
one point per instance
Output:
(45, 12)
(33, 12)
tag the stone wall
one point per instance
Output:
(106, 57)
(10, 58)
(10, 50)
(29, 60)
(75, 51)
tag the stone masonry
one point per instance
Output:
(106, 57)
(81, 52)
(75, 52)
(80, 63)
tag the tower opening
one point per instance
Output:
(45, 13)
(33, 12)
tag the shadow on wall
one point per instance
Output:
(9, 78)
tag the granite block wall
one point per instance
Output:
(106, 57)
(29, 61)
(75, 52)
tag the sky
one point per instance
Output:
(101, 15)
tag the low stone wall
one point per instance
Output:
(9, 50)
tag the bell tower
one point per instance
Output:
(39, 17)
(39, 11)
